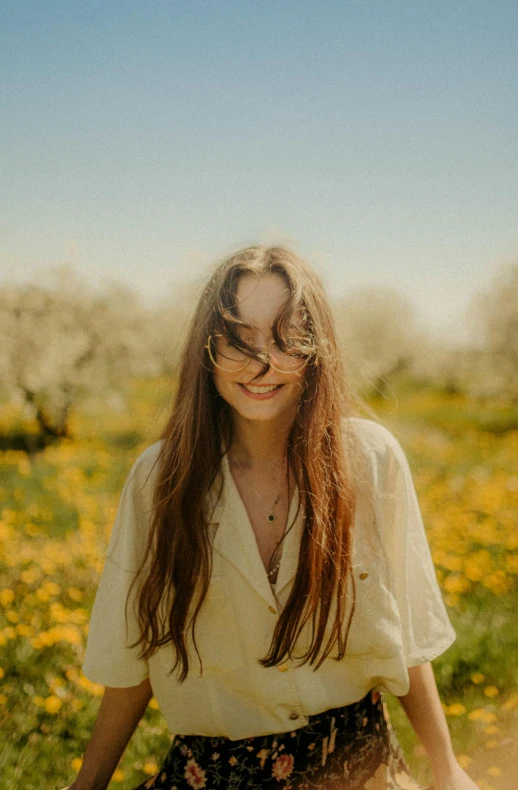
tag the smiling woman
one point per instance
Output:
(268, 575)
(277, 374)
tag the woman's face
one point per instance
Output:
(259, 299)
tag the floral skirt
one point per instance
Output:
(349, 748)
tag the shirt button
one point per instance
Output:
(282, 667)
(294, 716)
(272, 610)
(364, 575)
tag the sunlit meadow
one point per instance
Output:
(57, 512)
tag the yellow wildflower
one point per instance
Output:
(463, 760)
(511, 563)
(498, 582)
(456, 584)
(456, 709)
(511, 702)
(6, 596)
(53, 704)
(52, 588)
(74, 593)
(476, 715)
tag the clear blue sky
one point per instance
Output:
(378, 138)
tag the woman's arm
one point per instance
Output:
(423, 707)
(119, 713)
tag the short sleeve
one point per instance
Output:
(108, 658)
(426, 628)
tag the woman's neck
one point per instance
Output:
(259, 443)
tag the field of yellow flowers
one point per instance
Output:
(57, 510)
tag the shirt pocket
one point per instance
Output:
(375, 628)
(216, 632)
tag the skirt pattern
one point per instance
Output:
(349, 748)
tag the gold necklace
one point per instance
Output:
(270, 516)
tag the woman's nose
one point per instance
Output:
(256, 367)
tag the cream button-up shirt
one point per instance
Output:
(400, 618)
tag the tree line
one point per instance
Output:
(62, 340)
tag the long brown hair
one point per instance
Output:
(321, 452)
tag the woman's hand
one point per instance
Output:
(453, 778)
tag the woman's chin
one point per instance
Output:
(256, 411)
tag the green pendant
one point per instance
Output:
(271, 517)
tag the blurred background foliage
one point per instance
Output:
(63, 341)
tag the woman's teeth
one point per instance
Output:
(259, 390)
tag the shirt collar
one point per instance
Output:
(234, 538)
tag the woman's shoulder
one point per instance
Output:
(149, 453)
(375, 437)
(145, 464)
(134, 511)
(381, 452)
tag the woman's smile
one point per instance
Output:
(260, 391)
